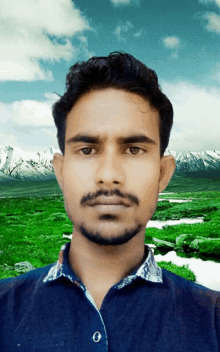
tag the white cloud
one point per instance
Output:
(171, 42)
(122, 28)
(125, 2)
(32, 30)
(29, 112)
(83, 46)
(196, 116)
(207, 2)
(213, 21)
(51, 97)
(138, 34)
(125, 28)
(29, 124)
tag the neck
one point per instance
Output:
(103, 266)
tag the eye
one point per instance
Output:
(86, 149)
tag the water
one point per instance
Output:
(207, 272)
(160, 224)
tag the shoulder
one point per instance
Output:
(20, 282)
(187, 290)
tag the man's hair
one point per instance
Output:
(120, 71)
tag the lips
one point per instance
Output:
(109, 201)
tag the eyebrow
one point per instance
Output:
(91, 139)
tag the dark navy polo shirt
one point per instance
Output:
(152, 310)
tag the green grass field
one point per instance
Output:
(33, 220)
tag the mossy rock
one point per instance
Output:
(203, 240)
(163, 244)
(184, 240)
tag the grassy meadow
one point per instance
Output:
(33, 220)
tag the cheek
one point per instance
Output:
(146, 172)
(147, 182)
(76, 173)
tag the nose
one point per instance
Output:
(110, 169)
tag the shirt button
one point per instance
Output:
(97, 336)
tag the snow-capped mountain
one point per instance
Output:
(197, 164)
(18, 165)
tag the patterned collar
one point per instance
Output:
(149, 270)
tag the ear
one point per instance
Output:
(167, 168)
(58, 161)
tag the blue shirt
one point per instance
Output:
(152, 310)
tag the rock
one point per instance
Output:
(164, 244)
(199, 239)
(184, 243)
(182, 240)
(195, 244)
(24, 267)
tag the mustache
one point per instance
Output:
(116, 193)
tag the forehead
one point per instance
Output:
(112, 113)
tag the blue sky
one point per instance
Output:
(41, 39)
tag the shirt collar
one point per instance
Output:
(148, 271)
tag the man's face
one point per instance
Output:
(131, 172)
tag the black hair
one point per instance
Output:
(119, 70)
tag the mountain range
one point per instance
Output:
(18, 165)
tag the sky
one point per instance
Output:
(41, 39)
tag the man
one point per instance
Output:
(106, 292)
